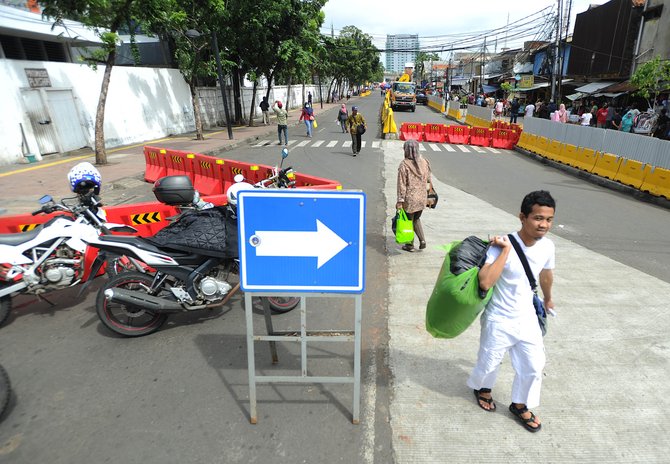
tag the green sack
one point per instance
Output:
(404, 231)
(456, 301)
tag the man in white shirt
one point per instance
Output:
(585, 119)
(528, 112)
(509, 322)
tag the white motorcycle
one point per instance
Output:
(54, 255)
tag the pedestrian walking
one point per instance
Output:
(307, 115)
(309, 98)
(498, 109)
(357, 128)
(562, 114)
(414, 177)
(514, 110)
(282, 121)
(601, 117)
(265, 110)
(342, 117)
(509, 322)
(529, 110)
(628, 119)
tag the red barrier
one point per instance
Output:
(23, 222)
(411, 131)
(503, 138)
(154, 159)
(435, 133)
(208, 177)
(458, 134)
(315, 183)
(480, 136)
(179, 163)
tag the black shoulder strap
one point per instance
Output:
(524, 261)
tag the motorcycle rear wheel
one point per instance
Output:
(5, 390)
(283, 304)
(5, 308)
(128, 320)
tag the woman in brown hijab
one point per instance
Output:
(413, 177)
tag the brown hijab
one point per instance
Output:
(414, 160)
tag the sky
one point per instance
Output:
(434, 18)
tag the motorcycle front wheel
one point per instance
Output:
(282, 304)
(5, 308)
(5, 390)
(128, 320)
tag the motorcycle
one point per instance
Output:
(193, 261)
(54, 255)
(5, 391)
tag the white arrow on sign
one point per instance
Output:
(323, 244)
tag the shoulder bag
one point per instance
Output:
(537, 301)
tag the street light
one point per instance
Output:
(192, 33)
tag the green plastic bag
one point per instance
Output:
(456, 301)
(404, 231)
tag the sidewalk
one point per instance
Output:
(123, 182)
(605, 389)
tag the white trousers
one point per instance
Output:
(523, 340)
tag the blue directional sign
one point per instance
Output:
(302, 241)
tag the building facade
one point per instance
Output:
(400, 49)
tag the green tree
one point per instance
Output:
(506, 88)
(105, 17)
(422, 57)
(651, 78)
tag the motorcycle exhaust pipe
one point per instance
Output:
(142, 300)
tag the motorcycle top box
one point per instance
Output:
(174, 190)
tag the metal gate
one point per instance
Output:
(45, 134)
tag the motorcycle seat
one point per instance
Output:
(19, 238)
(139, 242)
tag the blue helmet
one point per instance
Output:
(83, 177)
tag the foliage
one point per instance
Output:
(353, 56)
(651, 78)
(506, 87)
(421, 57)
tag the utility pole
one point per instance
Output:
(481, 75)
(555, 68)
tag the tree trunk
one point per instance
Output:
(267, 93)
(100, 153)
(303, 94)
(253, 104)
(330, 92)
(236, 96)
(288, 93)
(196, 110)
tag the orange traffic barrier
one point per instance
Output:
(208, 177)
(154, 159)
(411, 131)
(179, 163)
(23, 222)
(315, 183)
(657, 182)
(458, 134)
(607, 165)
(480, 136)
(632, 173)
(435, 133)
(503, 138)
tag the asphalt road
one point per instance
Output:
(181, 395)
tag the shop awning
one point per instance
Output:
(533, 87)
(575, 96)
(490, 88)
(593, 87)
(609, 94)
(620, 88)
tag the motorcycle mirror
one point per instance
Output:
(284, 153)
(238, 178)
(46, 199)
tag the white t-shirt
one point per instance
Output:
(499, 107)
(512, 296)
(585, 119)
(529, 110)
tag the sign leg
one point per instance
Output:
(251, 359)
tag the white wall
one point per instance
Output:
(142, 103)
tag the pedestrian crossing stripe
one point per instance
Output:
(27, 227)
(145, 218)
(436, 147)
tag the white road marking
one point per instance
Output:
(434, 147)
(463, 148)
(448, 147)
(332, 143)
(318, 143)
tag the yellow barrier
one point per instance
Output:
(523, 141)
(657, 182)
(607, 165)
(585, 159)
(554, 150)
(541, 146)
(569, 154)
(632, 173)
(389, 124)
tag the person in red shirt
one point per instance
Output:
(601, 116)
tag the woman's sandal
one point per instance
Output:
(525, 422)
(489, 401)
(408, 247)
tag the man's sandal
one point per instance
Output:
(489, 401)
(525, 422)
